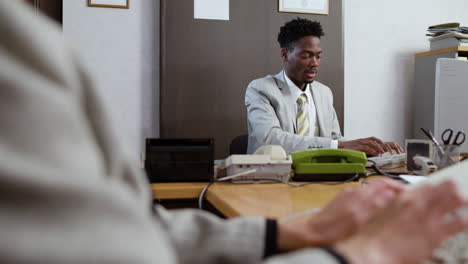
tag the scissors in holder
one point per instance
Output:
(447, 137)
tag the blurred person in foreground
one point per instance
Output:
(70, 192)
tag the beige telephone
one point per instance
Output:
(268, 163)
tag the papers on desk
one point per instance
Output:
(413, 179)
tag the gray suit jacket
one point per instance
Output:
(69, 192)
(272, 120)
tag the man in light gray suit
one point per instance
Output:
(70, 193)
(293, 110)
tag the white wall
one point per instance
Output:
(121, 49)
(381, 38)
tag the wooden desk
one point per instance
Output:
(179, 190)
(275, 200)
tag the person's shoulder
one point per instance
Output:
(318, 86)
(263, 83)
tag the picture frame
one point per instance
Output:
(110, 3)
(320, 7)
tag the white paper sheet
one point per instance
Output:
(109, 2)
(411, 179)
(211, 9)
(305, 5)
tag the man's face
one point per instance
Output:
(301, 62)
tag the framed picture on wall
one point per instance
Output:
(304, 6)
(110, 3)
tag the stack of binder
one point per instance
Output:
(447, 35)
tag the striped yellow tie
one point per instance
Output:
(302, 119)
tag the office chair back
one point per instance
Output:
(239, 145)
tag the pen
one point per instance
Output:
(433, 139)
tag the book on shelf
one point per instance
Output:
(447, 43)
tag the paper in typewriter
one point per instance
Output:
(455, 249)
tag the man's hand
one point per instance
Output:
(394, 147)
(410, 228)
(340, 218)
(371, 146)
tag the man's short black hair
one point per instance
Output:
(296, 29)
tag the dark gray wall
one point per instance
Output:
(207, 64)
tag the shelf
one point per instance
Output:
(440, 51)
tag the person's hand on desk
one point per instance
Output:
(410, 228)
(341, 218)
(394, 147)
(371, 146)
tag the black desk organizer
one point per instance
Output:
(179, 160)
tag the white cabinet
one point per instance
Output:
(440, 98)
(451, 97)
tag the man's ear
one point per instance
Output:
(284, 54)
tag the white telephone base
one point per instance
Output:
(269, 163)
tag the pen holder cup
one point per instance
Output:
(446, 155)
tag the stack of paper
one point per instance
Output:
(447, 35)
(441, 29)
(448, 42)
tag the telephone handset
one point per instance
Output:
(268, 163)
(328, 164)
(275, 152)
(329, 156)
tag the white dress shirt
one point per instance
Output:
(314, 130)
